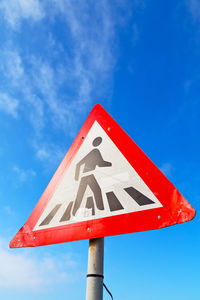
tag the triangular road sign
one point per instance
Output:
(104, 186)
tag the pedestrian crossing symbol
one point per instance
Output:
(99, 183)
(105, 185)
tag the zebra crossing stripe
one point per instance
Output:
(50, 216)
(138, 197)
(113, 202)
(67, 214)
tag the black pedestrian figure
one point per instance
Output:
(91, 161)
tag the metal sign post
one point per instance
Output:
(84, 201)
(94, 289)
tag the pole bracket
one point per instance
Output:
(95, 275)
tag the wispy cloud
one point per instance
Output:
(9, 105)
(8, 210)
(50, 153)
(25, 271)
(14, 11)
(194, 7)
(67, 76)
(23, 175)
(86, 68)
(187, 85)
(135, 33)
(49, 81)
(167, 168)
(11, 65)
(93, 46)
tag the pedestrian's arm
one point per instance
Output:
(102, 162)
(106, 164)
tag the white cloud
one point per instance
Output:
(166, 168)
(93, 38)
(194, 7)
(47, 81)
(11, 65)
(25, 271)
(15, 11)
(187, 85)
(135, 33)
(23, 175)
(83, 71)
(35, 110)
(49, 153)
(9, 105)
(8, 210)
(92, 57)
(58, 87)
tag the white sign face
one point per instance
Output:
(99, 183)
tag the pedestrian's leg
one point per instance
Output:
(80, 194)
(96, 191)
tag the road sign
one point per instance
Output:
(104, 186)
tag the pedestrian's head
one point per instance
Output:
(97, 141)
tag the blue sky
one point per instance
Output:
(140, 59)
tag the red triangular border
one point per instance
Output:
(175, 208)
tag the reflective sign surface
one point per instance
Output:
(105, 185)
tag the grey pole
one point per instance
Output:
(94, 289)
